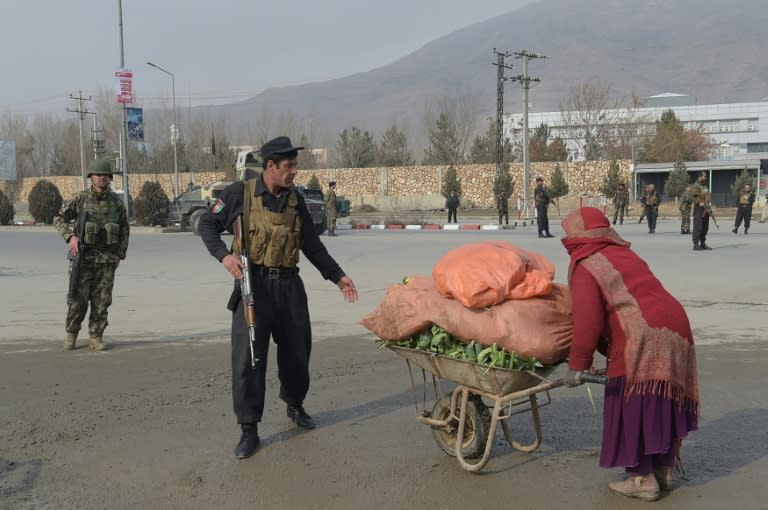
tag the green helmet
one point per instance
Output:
(99, 167)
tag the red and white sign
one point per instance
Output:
(762, 183)
(124, 86)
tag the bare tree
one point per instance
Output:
(589, 115)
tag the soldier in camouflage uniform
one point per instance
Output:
(330, 208)
(685, 211)
(651, 201)
(620, 203)
(701, 211)
(105, 236)
(641, 198)
(502, 206)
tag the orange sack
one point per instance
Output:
(488, 273)
(539, 327)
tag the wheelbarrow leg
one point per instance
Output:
(536, 427)
(491, 433)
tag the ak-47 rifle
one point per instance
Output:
(708, 208)
(77, 260)
(249, 304)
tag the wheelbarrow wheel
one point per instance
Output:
(475, 429)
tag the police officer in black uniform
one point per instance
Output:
(278, 224)
(541, 200)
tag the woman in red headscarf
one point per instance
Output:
(621, 310)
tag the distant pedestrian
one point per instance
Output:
(541, 200)
(642, 209)
(744, 212)
(452, 204)
(765, 210)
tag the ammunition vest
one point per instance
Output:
(652, 199)
(102, 217)
(273, 238)
(744, 199)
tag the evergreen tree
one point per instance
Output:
(745, 177)
(677, 181)
(355, 149)
(451, 182)
(484, 147)
(307, 159)
(313, 183)
(152, 205)
(7, 211)
(443, 146)
(503, 183)
(393, 149)
(557, 185)
(612, 180)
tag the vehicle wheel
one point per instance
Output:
(194, 221)
(476, 427)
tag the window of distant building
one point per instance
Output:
(757, 147)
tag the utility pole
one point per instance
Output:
(124, 126)
(500, 79)
(525, 81)
(99, 147)
(81, 114)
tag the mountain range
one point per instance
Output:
(705, 48)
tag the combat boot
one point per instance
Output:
(97, 344)
(696, 246)
(642, 487)
(69, 343)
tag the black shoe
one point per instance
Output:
(746, 231)
(696, 247)
(735, 230)
(541, 236)
(640, 221)
(300, 417)
(249, 441)
(705, 247)
(549, 235)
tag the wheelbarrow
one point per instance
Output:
(462, 413)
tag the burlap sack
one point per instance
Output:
(490, 272)
(539, 327)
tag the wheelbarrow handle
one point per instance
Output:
(590, 378)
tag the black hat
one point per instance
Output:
(332, 183)
(539, 179)
(279, 145)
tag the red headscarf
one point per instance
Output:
(587, 231)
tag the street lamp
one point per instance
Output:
(173, 127)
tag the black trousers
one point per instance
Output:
(652, 213)
(542, 220)
(283, 314)
(452, 213)
(700, 224)
(744, 213)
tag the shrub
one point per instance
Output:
(44, 201)
(152, 205)
(7, 212)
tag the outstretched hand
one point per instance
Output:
(348, 289)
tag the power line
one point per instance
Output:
(500, 67)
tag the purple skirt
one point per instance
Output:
(642, 425)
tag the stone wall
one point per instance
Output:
(416, 187)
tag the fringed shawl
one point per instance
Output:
(659, 355)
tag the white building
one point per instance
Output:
(739, 129)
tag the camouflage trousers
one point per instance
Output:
(504, 214)
(685, 219)
(94, 287)
(331, 222)
(618, 213)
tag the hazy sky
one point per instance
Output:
(219, 50)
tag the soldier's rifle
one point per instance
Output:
(77, 259)
(249, 304)
(708, 208)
